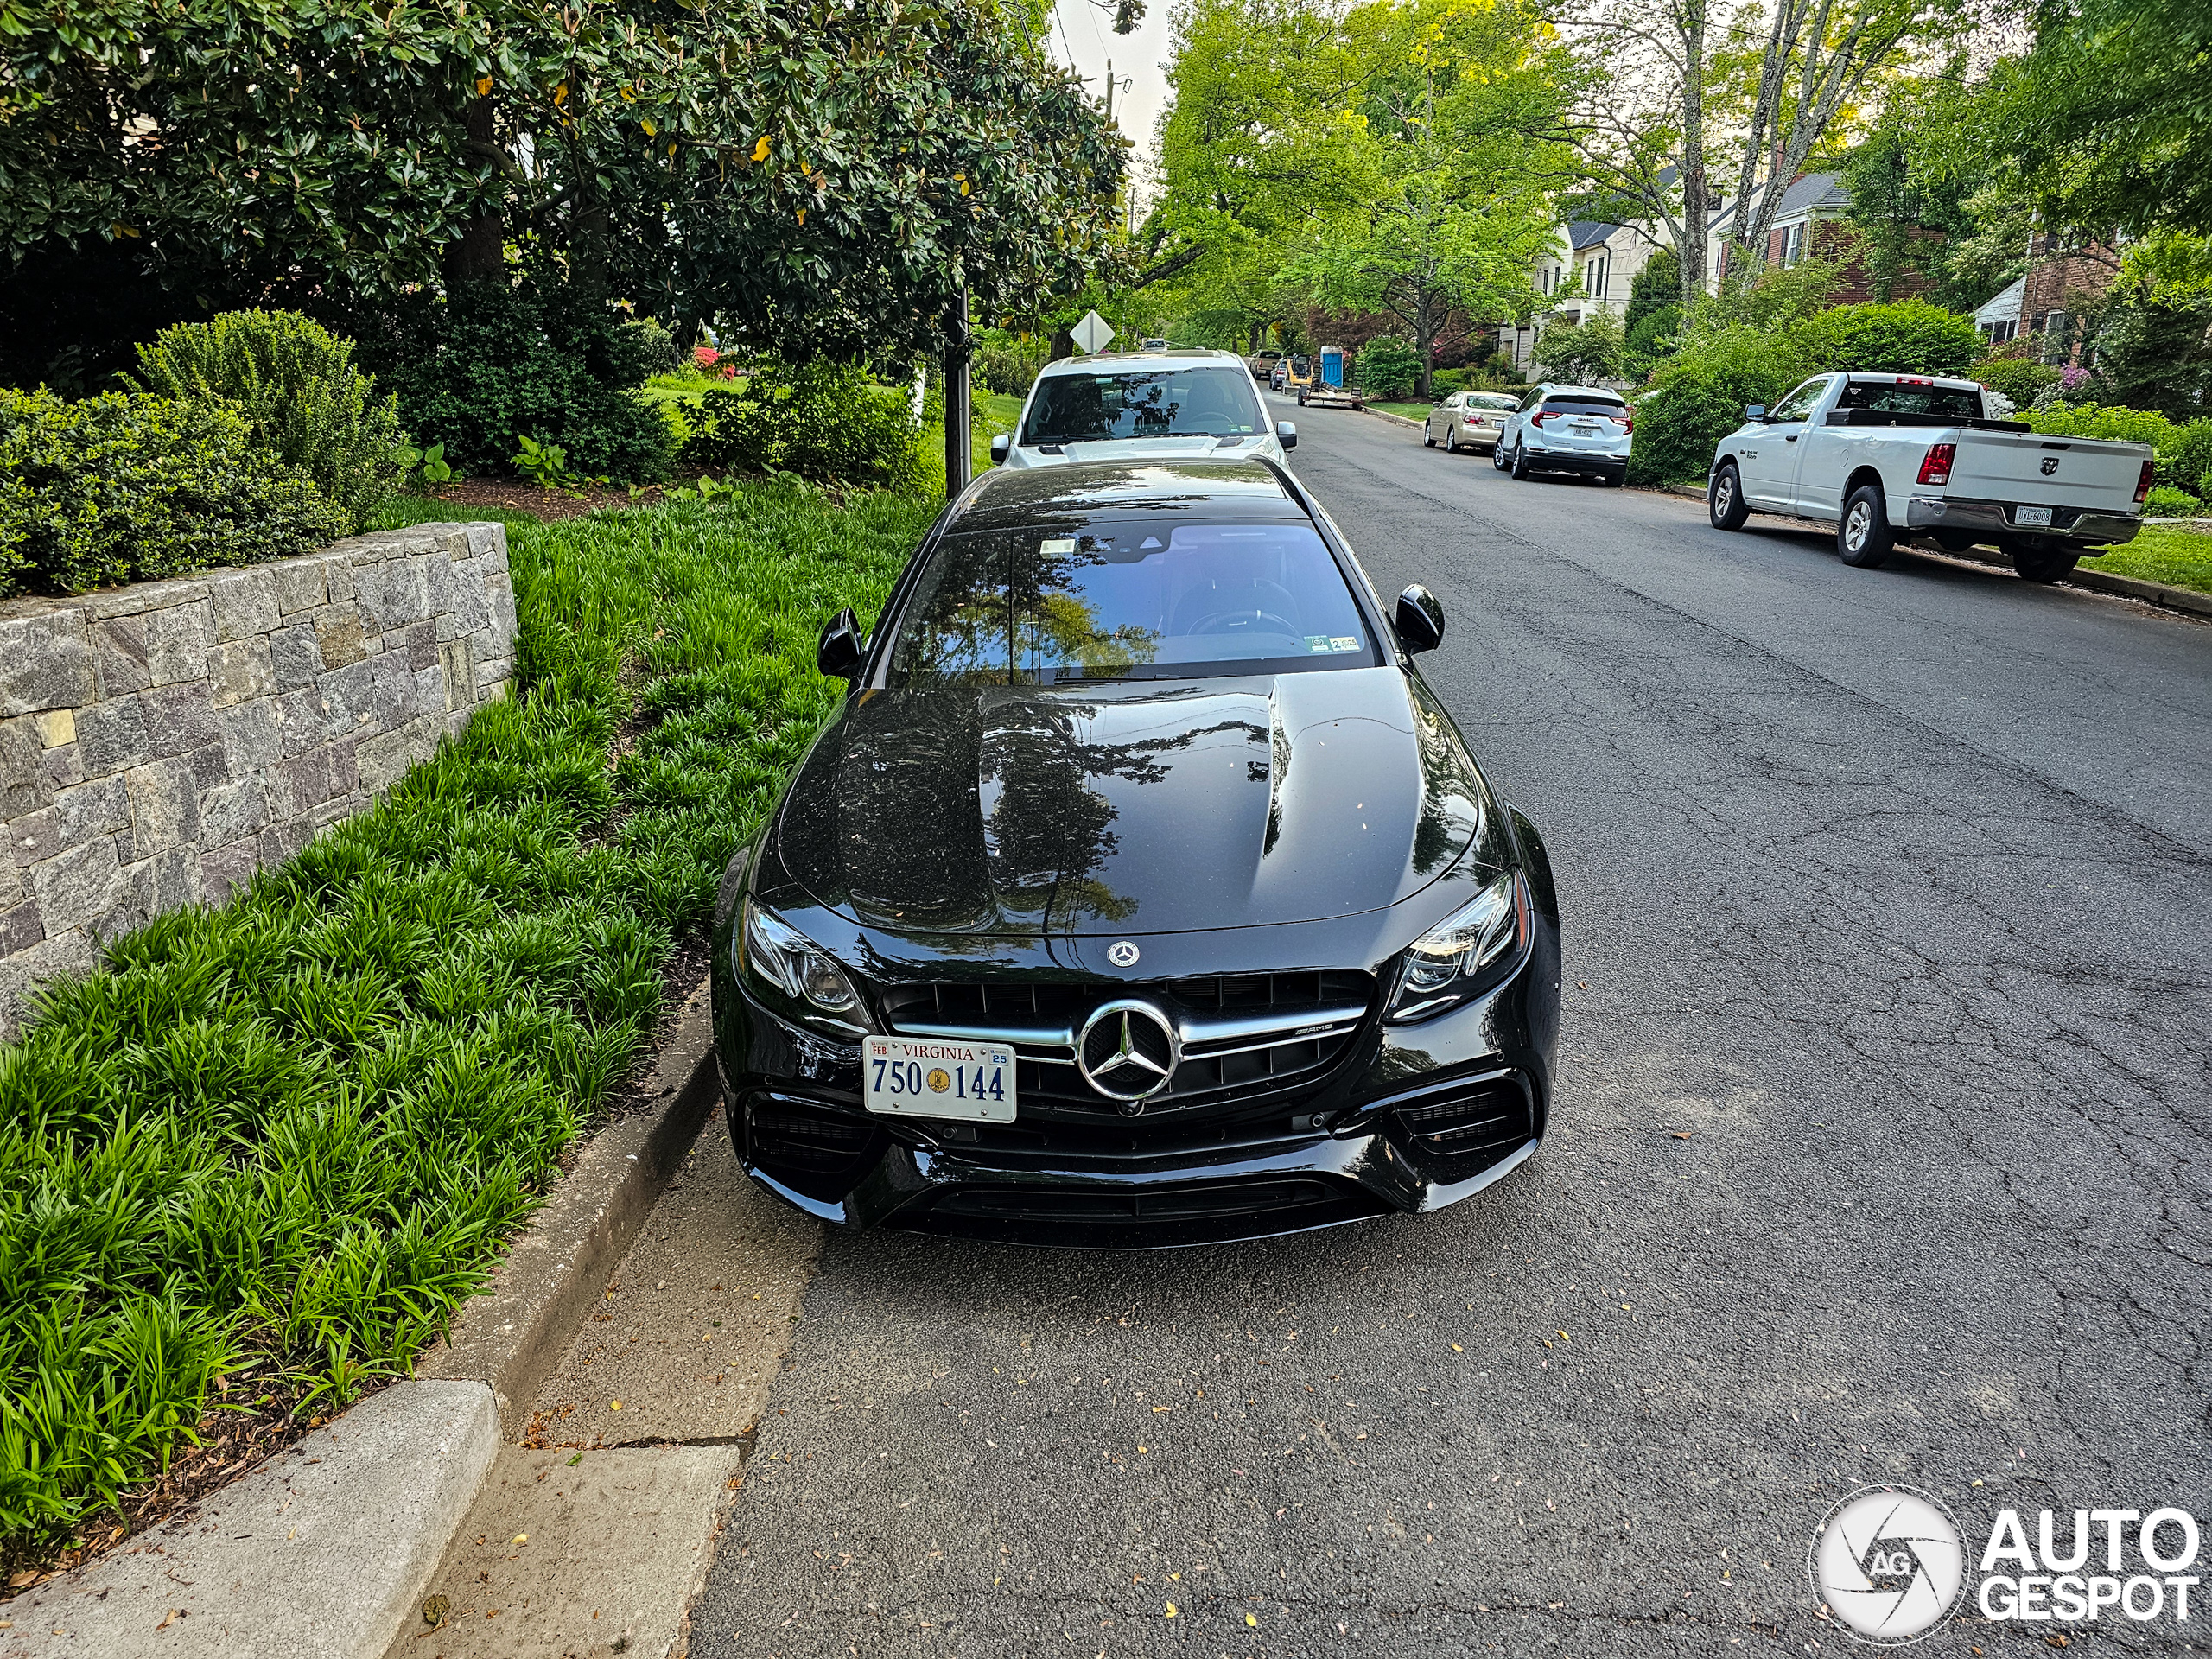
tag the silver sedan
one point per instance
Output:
(1469, 420)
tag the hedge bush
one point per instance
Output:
(300, 394)
(1388, 368)
(1907, 337)
(2020, 378)
(130, 487)
(820, 420)
(490, 364)
(1698, 397)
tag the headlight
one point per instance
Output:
(795, 975)
(1479, 946)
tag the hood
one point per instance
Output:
(1151, 807)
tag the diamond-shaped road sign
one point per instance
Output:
(1092, 335)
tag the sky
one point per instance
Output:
(1083, 39)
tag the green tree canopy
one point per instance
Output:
(814, 174)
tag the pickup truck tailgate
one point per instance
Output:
(2028, 466)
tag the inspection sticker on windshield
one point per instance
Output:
(929, 1076)
(1331, 642)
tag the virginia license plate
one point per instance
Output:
(927, 1076)
(2031, 515)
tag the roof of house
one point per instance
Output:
(2006, 307)
(1807, 194)
(1588, 232)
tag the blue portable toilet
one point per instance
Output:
(1332, 365)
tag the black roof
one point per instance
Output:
(1010, 499)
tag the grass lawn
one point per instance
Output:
(2176, 555)
(1411, 411)
(265, 1151)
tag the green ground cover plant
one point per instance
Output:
(264, 1151)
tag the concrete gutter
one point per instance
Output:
(2097, 582)
(512, 1336)
(324, 1549)
(1385, 415)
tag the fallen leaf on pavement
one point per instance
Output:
(1680, 1135)
(522, 1537)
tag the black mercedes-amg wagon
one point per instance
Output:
(1140, 891)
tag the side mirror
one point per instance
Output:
(1287, 433)
(1755, 411)
(1000, 444)
(1419, 620)
(839, 653)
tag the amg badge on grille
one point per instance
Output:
(1127, 1052)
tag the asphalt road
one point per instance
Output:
(1879, 1154)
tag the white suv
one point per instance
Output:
(1567, 430)
(1143, 405)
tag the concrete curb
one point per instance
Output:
(1385, 415)
(2097, 582)
(511, 1337)
(324, 1549)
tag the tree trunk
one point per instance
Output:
(1690, 22)
(1425, 342)
(479, 254)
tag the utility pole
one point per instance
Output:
(959, 458)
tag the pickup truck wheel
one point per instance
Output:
(1723, 499)
(2041, 564)
(1863, 538)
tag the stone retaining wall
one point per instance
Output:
(159, 743)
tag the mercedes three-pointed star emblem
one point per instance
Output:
(1128, 1050)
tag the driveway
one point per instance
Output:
(1879, 1154)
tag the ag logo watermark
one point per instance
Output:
(1889, 1563)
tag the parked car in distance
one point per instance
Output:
(1584, 430)
(1121, 405)
(1885, 457)
(1469, 420)
(1141, 891)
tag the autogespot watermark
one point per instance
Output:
(1892, 1563)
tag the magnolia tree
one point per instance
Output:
(818, 176)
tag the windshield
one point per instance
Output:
(1146, 601)
(1492, 400)
(1950, 403)
(1142, 403)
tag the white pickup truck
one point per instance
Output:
(1889, 457)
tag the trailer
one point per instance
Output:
(1327, 390)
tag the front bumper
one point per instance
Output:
(2073, 525)
(1412, 1118)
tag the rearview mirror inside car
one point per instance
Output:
(1419, 620)
(1000, 442)
(1755, 411)
(839, 652)
(1287, 433)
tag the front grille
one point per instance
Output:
(1245, 1037)
(1463, 1130)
